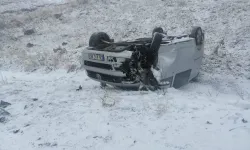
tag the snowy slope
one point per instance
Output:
(225, 22)
(199, 116)
(47, 112)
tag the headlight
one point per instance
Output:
(111, 59)
(115, 59)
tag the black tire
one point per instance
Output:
(158, 30)
(96, 39)
(198, 35)
(154, 48)
(156, 42)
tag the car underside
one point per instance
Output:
(129, 63)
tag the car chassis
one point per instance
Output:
(145, 63)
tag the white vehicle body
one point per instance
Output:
(179, 61)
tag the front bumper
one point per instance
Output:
(107, 71)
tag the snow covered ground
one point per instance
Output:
(47, 112)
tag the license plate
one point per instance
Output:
(99, 57)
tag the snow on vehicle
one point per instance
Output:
(145, 63)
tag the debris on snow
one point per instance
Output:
(3, 112)
(239, 65)
(25, 107)
(3, 119)
(16, 131)
(64, 43)
(61, 50)
(48, 144)
(58, 16)
(244, 121)
(35, 99)
(29, 45)
(107, 139)
(97, 137)
(4, 104)
(29, 32)
(79, 88)
(26, 125)
(208, 122)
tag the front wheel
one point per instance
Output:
(98, 39)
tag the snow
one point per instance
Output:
(15, 5)
(156, 73)
(208, 114)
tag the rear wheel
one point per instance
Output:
(98, 40)
(198, 35)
